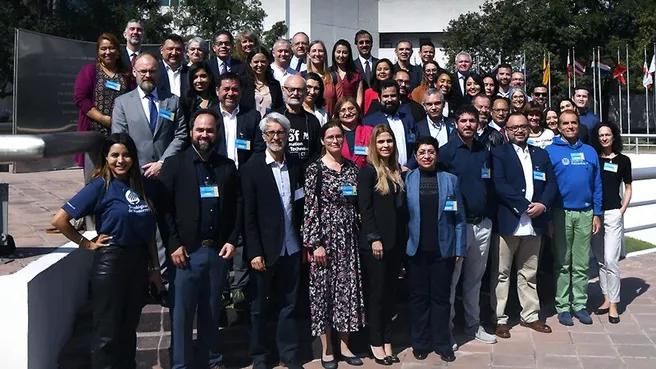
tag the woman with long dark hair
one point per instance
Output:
(490, 85)
(261, 91)
(123, 250)
(314, 102)
(551, 120)
(428, 80)
(202, 90)
(383, 70)
(473, 86)
(347, 79)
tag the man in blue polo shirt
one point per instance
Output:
(586, 117)
(469, 160)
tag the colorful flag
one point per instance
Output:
(646, 80)
(579, 68)
(603, 67)
(545, 75)
(618, 73)
(652, 65)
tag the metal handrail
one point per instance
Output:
(637, 137)
(33, 147)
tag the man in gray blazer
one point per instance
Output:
(152, 117)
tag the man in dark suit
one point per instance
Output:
(406, 104)
(272, 184)
(223, 62)
(487, 135)
(463, 66)
(364, 63)
(435, 124)
(526, 187)
(401, 123)
(173, 75)
(200, 198)
(133, 35)
(403, 53)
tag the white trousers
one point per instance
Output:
(606, 248)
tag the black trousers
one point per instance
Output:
(429, 278)
(119, 280)
(379, 279)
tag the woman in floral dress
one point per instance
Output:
(330, 232)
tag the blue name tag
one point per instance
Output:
(610, 167)
(207, 192)
(577, 157)
(113, 85)
(242, 144)
(349, 190)
(166, 114)
(540, 176)
(360, 150)
(530, 141)
(411, 138)
(486, 173)
(451, 205)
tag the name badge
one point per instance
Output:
(530, 141)
(486, 173)
(411, 138)
(207, 192)
(360, 150)
(166, 114)
(451, 205)
(349, 190)
(540, 176)
(577, 157)
(113, 85)
(242, 144)
(610, 167)
(299, 194)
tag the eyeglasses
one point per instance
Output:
(223, 43)
(351, 109)
(541, 94)
(296, 90)
(403, 81)
(272, 134)
(523, 127)
(144, 72)
(338, 138)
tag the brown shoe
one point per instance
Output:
(502, 331)
(537, 326)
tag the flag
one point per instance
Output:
(646, 80)
(652, 65)
(603, 67)
(579, 68)
(569, 68)
(618, 73)
(545, 75)
(522, 64)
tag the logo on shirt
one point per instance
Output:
(565, 161)
(132, 197)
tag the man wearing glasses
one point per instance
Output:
(539, 95)
(499, 113)
(300, 43)
(222, 47)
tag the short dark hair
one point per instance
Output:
(481, 95)
(231, 38)
(617, 140)
(387, 83)
(569, 112)
(426, 43)
(426, 140)
(175, 38)
(361, 33)
(517, 114)
(404, 41)
(197, 113)
(576, 88)
(466, 109)
(532, 108)
(504, 66)
(228, 76)
(539, 86)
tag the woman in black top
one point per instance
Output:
(607, 243)
(261, 91)
(202, 90)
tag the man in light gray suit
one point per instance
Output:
(152, 117)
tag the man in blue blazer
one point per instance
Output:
(433, 249)
(526, 188)
(435, 124)
(401, 123)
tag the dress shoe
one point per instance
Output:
(260, 365)
(420, 355)
(352, 360)
(565, 318)
(447, 356)
(583, 317)
(601, 311)
(502, 331)
(537, 326)
(296, 365)
(384, 361)
(394, 358)
(330, 364)
(613, 319)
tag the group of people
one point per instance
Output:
(316, 183)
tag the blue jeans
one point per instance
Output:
(198, 286)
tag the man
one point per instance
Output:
(133, 35)
(173, 76)
(467, 158)
(503, 77)
(282, 53)
(426, 52)
(517, 79)
(522, 221)
(403, 53)
(539, 95)
(463, 65)
(487, 135)
(499, 113)
(153, 118)
(201, 197)
(300, 43)
(407, 105)
(576, 216)
(435, 125)
(273, 212)
(304, 139)
(223, 63)
(401, 123)
(365, 61)
(433, 249)
(586, 117)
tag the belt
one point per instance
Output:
(475, 220)
(208, 243)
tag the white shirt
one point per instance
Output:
(461, 81)
(322, 115)
(281, 175)
(174, 79)
(130, 53)
(494, 125)
(445, 109)
(230, 126)
(295, 61)
(282, 74)
(220, 63)
(364, 66)
(439, 131)
(399, 133)
(504, 94)
(525, 226)
(145, 103)
(544, 139)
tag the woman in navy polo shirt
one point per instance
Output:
(125, 223)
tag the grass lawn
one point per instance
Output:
(633, 244)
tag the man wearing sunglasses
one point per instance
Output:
(539, 95)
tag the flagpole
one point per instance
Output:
(594, 82)
(619, 88)
(549, 66)
(647, 95)
(601, 110)
(574, 68)
(628, 94)
(569, 75)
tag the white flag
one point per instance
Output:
(646, 80)
(652, 66)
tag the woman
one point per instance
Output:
(383, 208)
(490, 85)
(551, 118)
(96, 87)
(314, 102)
(319, 64)
(383, 70)
(347, 79)
(567, 105)
(125, 246)
(473, 85)
(607, 243)
(518, 99)
(197, 50)
(357, 135)
(261, 91)
(538, 135)
(429, 79)
(246, 42)
(444, 85)
(329, 231)
(202, 94)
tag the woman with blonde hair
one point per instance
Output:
(246, 42)
(383, 237)
(318, 63)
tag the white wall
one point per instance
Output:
(642, 191)
(395, 16)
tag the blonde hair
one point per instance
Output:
(384, 170)
(325, 72)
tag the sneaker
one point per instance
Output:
(479, 334)
(583, 317)
(565, 318)
(454, 344)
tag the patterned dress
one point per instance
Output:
(336, 298)
(105, 96)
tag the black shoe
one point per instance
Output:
(420, 355)
(601, 311)
(260, 365)
(352, 360)
(394, 358)
(447, 355)
(297, 365)
(332, 364)
(613, 319)
(384, 361)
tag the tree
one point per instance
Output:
(277, 31)
(205, 17)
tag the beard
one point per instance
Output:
(389, 108)
(202, 147)
(147, 86)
